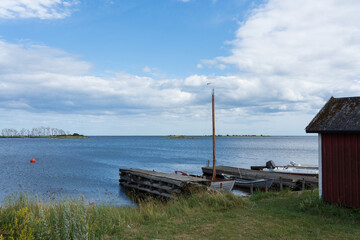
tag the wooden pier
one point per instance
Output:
(280, 179)
(161, 184)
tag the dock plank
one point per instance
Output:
(168, 185)
(176, 179)
(286, 179)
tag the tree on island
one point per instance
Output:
(34, 132)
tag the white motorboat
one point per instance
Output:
(292, 168)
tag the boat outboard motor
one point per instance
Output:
(270, 164)
(294, 164)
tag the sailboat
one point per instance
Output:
(225, 185)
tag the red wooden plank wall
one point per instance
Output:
(341, 168)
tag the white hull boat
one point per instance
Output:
(292, 168)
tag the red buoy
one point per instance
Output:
(32, 160)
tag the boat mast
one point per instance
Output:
(213, 125)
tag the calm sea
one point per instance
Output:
(90, 167)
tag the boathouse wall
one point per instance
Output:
(338, 126)
(340, 173)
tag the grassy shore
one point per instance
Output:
(285, 215)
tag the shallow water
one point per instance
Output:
(90, 167)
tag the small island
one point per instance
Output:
(40, 132)
(74, 135)
(180, 137)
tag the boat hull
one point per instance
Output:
(294, 171)
(222, 185)
(245, 183)
(292, 168)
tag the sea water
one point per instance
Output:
(90, 167)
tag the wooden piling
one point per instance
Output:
(303, 184)
(266, 186)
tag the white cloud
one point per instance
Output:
(292, 56)
(298, 52)
(147, 69)
(42, 83)
(43, 9)
(154, 72)
(47, 79)
(213, 63)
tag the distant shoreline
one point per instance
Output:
(198, 136)
(181, 137)
(227, 135)
(54, 137)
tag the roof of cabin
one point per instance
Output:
(338, 115)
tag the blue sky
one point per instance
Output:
(127, 35)
(140, 67)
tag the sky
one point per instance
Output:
(142, 67)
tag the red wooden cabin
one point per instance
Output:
(338, 128)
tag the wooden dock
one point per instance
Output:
(280, 179)
(161, 184)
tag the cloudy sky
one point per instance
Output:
(140, 67)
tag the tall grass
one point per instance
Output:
(24, 217)
(312, 204)
(308, 202)
(201, 216)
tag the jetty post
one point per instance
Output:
(213, 130)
